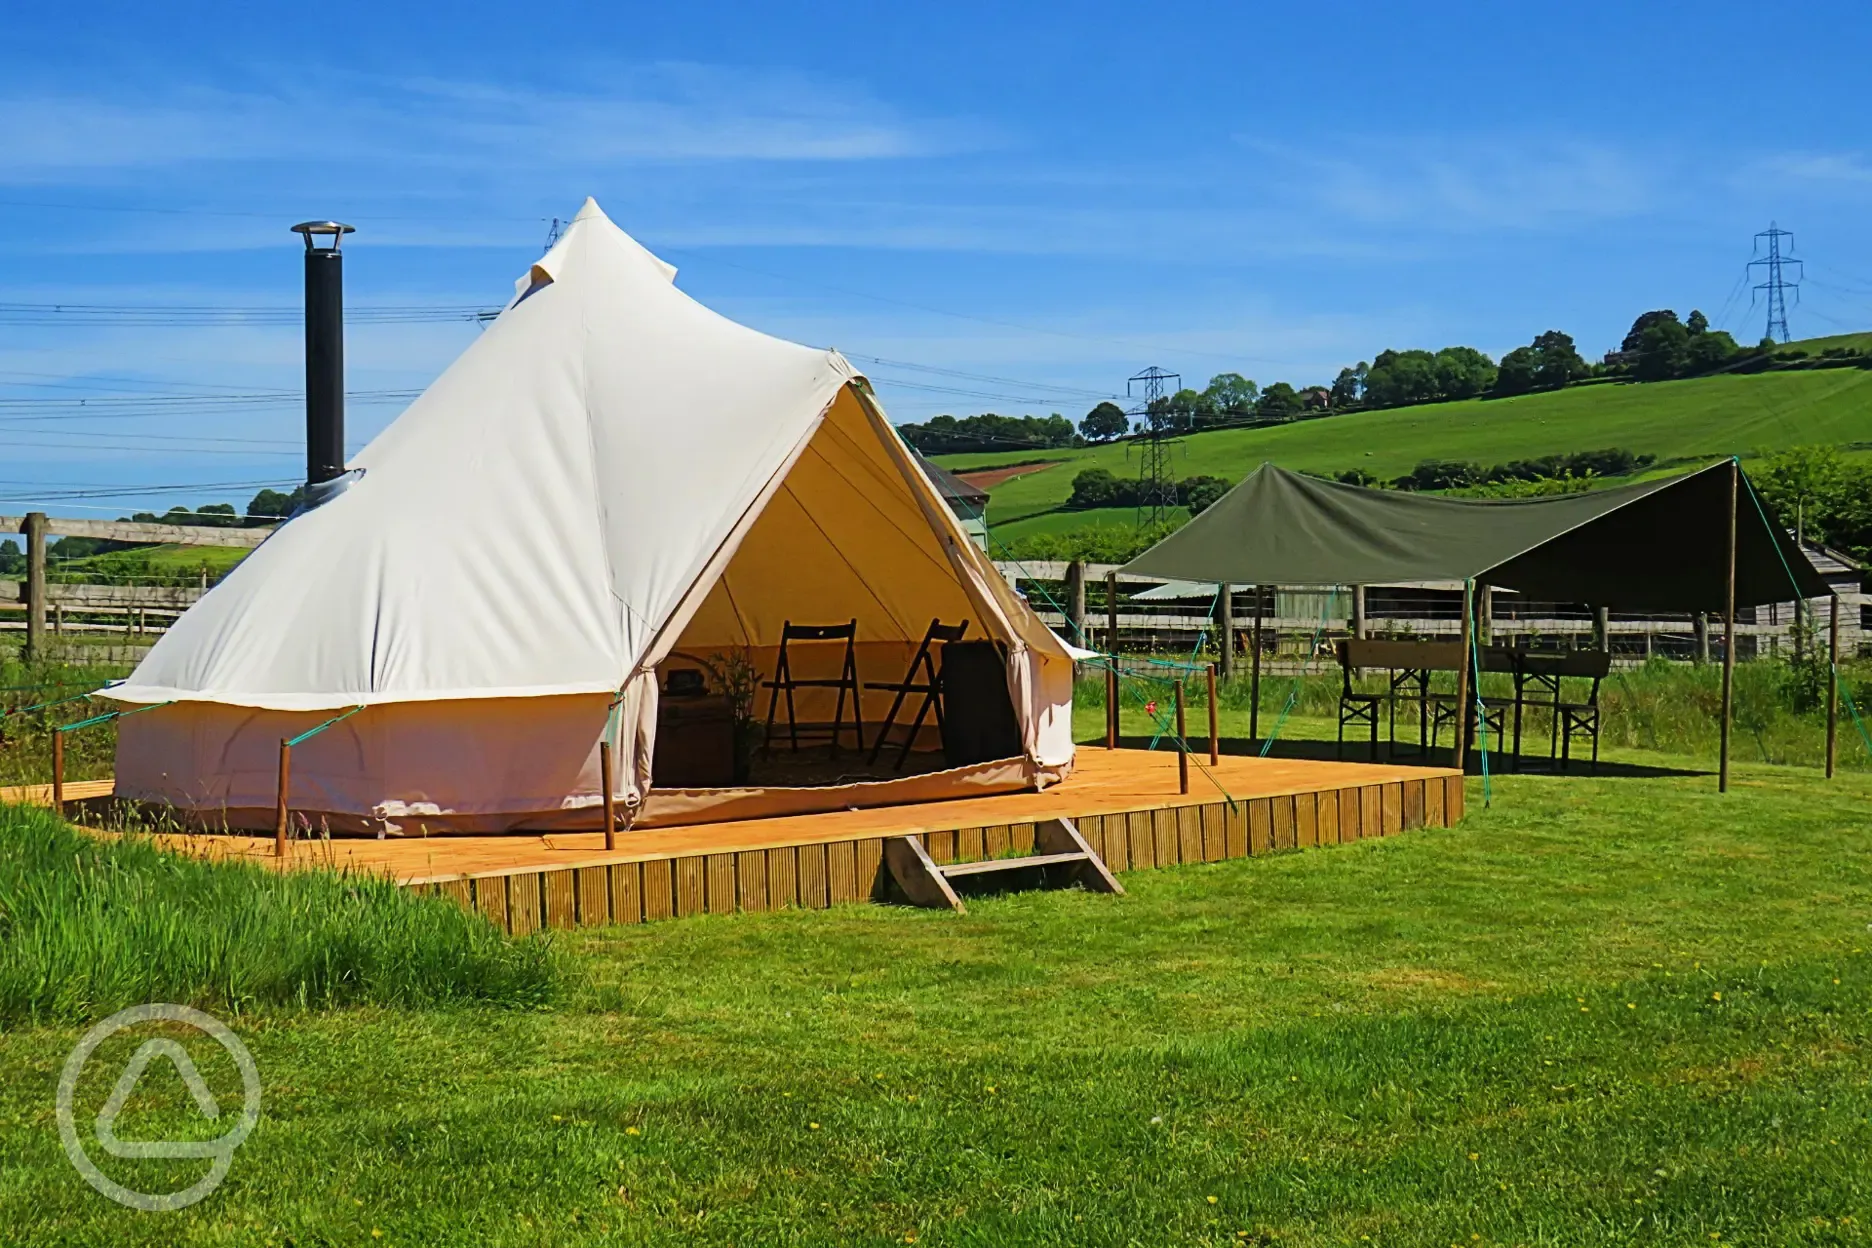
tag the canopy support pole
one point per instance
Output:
(610, 797)
(1729, 638)
(1111, 654)
(1215, 736)
(1832, 738)
(58, 773)
(1254, 671)
(1182, 743)
(279, 803)
(1225, 629)
(1462, 676)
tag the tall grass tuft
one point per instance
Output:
(89, 926)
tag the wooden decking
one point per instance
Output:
(1125, 803)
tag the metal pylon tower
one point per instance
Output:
(1776, 286)
(1156, 490)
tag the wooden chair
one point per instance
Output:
(923, 677)
(1573, 719)
(1355, 707)
(845, 682)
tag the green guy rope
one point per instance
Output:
(313, 732)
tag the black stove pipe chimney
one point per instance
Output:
(324, 349)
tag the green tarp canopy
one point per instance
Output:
(1654, 546)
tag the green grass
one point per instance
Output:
(90, 926)
(1681, 422)
(168, 562)
(1606, 1010)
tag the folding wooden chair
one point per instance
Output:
(1354, 707)
(929, 685)
(845, 682)
(1581, 719)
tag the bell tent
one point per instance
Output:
(611, 479)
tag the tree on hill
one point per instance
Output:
(1518, 371)
(1349, 386)
(1105, 422)
(1663, 350)
(1397, 378)
(1231, 395)
(1710, 351)
(1463, 373)
(12, 560)
(270, 505)
(1096, 487)
(988, 432)
(1698, 323)
(1200, 493)
(1278, 402)
(1635, 334)
(1560, 361)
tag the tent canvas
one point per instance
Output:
(1630, 548)
(610, 474)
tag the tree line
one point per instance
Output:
(1099, 487)
(266, 507)
(1453, 474)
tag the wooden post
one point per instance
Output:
(610, 797)
(1254, 671)
(1702, 637)
(1112, 692)
(1485, 614)
(35, 531)
(1462, 677)
(1832, 740)
(58, 773)
(1215, 735)
(1359, 624)
(1076, 602)
(279, 808)
(1224, 627)
(1182, 743)
(1602, 629)
(1728, 672)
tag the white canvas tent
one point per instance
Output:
(609, 474)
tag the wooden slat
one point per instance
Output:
(941, 847)
(1326, 816)
(523, 903)
(968, 847)
(1214, 832)
(659, 890)
(1189, 834)
(1453, 799)
(1164, 834)
(719, 890)
(1413, 804)
(1392, 799)
(461, 892)
(561, 899)
(1371, 814)
(490, 898)
(1306, 820)
(691, 891)
(1235, 829)
(995, 840)
(1140, 832)
(627, 891)
(783, 877)
(591, 890)
(1021, 837)
(842, 873)
(146, 533)
(1283, 821)
(1351, 816)
(1433, 804)
(751, 881)
(868, 868)
(1260, 826)
(815, 879)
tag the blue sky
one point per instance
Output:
(1048, 196)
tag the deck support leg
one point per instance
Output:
(1182, 743)
(58, 773)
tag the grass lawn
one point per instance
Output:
(1613, 1010)
(1681, 422)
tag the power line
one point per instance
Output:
(1776, 286)
(203, 314)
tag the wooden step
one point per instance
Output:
(926, 883)
(952, 869)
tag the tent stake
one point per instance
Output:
(1729, 637)
(58, 773)
(1462, 678)
(1832, 740)
(1215, 737)
(279, 808)
(1254, 673)
(610, 801)
(1182, 744)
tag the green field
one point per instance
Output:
(1681, 422)
(1616, 1010)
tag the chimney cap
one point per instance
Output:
(336, 230)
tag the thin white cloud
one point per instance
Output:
(1850, 169)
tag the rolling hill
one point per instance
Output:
(1680, 422)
